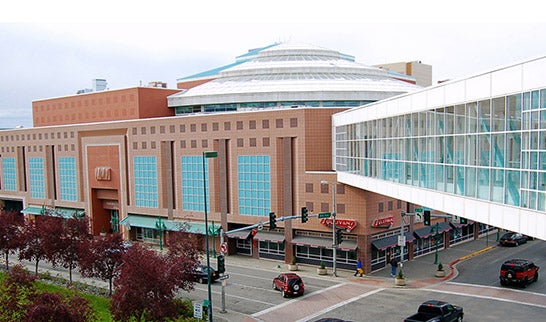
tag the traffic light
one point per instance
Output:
(463, 221)
(426, 215)
(272, 221)
(304, 215)
(221, 263)
(339, 236)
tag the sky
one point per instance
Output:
(55, 48)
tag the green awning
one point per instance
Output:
(32, 210)
(172, 225)
(59, 212)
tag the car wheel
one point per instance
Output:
(296, 287)
(510, 274)
(503, 283)
(283, 293)
(201, 280)
(536, 277)
(460, 319)
(525, 283)
(517, 244)
(274, 287)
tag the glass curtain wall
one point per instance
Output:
(492, 149)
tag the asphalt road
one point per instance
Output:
(484, 269)
(248, 292)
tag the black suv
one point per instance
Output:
(518, 271)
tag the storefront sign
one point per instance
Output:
(347, 224)
(384, 222)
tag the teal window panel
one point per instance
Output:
(192, 183)
(145, 176)
(9, 174)
(37, 177)
(254, 185)
(68, 180)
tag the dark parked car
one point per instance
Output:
(437, 311)
(289, 284)
(512, 239)
(201, 274)
(518, 271)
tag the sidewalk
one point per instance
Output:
(419, 271)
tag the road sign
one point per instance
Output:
(324, 215)
(197, 310)
(418, 210)
(224, 277)
(223, 248)
(401, 240)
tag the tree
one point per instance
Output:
(10, 228)
(184, 251)
(63, 248)
(101, 257)
(34, 237)
(51, 307)
(145, 287)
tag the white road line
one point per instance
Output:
(497, 288)
(487, 297)
(333, 307)
(295, 300)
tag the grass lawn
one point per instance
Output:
(100, 304)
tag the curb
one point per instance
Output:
(453, 272)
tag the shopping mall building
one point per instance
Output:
(137, 160)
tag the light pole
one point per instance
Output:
(207, 155)
(334, 246)
(161, 227)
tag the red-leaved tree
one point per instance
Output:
(49, 307)
(184, 251)
(35, 236)
(63, 248)
(101, 257)
(11, 224)
(145, 287)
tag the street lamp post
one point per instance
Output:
(436, 232)
(207, 155)
(161, 227)
(334, 246)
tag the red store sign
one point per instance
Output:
(384, 222)
(347, 224)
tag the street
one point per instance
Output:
(476, 288)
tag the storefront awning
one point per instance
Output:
(242, 234)
(459, 225)
(172, 225)
(391, 241)
(59, 212)
(269, 236)
(312, 241)
(32, 210)
(427, 231)
(322, 242)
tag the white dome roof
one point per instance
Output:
(295, 72)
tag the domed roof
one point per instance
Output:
(295, 72)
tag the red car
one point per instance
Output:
(518, 271)
(289, 284)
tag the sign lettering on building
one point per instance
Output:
(384, 222)
(347, 224)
